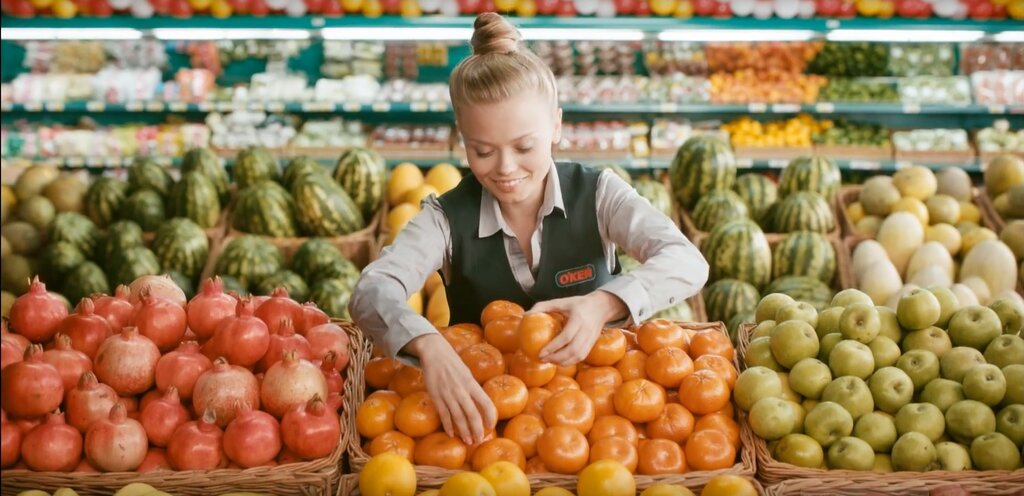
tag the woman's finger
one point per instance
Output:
(474, 422)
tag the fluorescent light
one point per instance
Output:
(1009, 37)
(582, 34)
(193, 34)
(905, 35)
(70, 34)
(712, 35)
(397, 34)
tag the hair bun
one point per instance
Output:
(493, 34)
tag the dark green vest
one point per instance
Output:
(572, 258)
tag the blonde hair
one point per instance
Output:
(500, 67)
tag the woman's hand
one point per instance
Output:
(585, 318)
(465, 409)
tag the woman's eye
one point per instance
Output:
(524, 149)
(483, 154)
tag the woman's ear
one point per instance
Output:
(556, 136)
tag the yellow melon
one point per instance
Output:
(914, 207)
(437, 308)
(855, 212)
(975, 236)
(417, 195)
(434, 281)
(969, 212)
(416, 302)
(405, 177)
(443, 177)
(399, 216)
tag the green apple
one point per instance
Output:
(787, 391)
(809, 404)
(792, 341)
(952, 456)
(985, 383)
(852, 358)
(877, 429)
(772, 418)
(957, 361)
(754, 384)
(975, 326)
(883, 463)
(850, 453)
(1010, 423)
(809, 377)
(918, 309)
(1011, 315)
(1004, 350)
(921, 365)
(827, 423)
(885, 351)
(759, 354)
(925, 418)
(948, 304)
(942, 393)
(1014, 375)
(891, 388)
(860, 322)
(994, 451)
(770, 304)
(800, 310)
(800, 450)
(828, 321)
(968, 419)
(849, 297)
(852, 393)
(827, 343)
(762, 329)
(913, 451)
(932, 339)
(889, 323)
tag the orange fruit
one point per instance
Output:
(675, 424)
(392, 442)
(608, 349)
(711, 342)
(704, 392)
(496, 450)
(535, 332)
(407, 380)
(499, 309)
(561, 383)
(524, 430)
(606, 477)
(722, 423)
(508, 394)
(660, 457)
(387, 474)
(570, 408)
(563, 450)
(616, 449)
(531, 372)
(710, 449)
(535, 401)
(613, 426)
(536, 466)
(484, 361)
(380, 371)
(633, 365)
(668, 366)
(603, 397)
(595, 376)
(719, 365)
(440, 450)
(640, 400)
(417, 416)
(569, 371)
(729, 485)
(503, 334)
(386, 394)
(374, 417)
(659, 333)
(471, 449)
(462, 336)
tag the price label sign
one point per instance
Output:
(777, 164)
(744, 163)
(757, 108)
(997, 109)
(134, 107)
(864, 165)
(418, 107)
(275, 107)
(205, 107)
(381, 107)
(6, 106)
(438, 107)
(178, 107)
(825, 108)
(911, 108)
(54, 106)
(75, 162)
(668, 108)
(33, 107)
(352, 107)
(155, 107)
(317, 107)
(256, 106)
(785, 108)
(225, 106)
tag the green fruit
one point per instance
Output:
(16, 271)
(145, 174)
(943, 393)
(253, 165)
(103, 200)
(656, 193)
(851, 453)
(265, 209)
(37, 211)
(249, 259)
(968, 419)
(206, 162)
(182, 246)
(770, 304)
(915, 452)
(717, 208)
(800, 450)
(804, 253)
(22, 236)
(809, 377)
(814, 174)
(322, 208)
(1002, 173)
(76, 229)
(739, 250)
(726, 298)
(332, 296)
(994, 451)
(701, 165)
(290, 281)
(918, 309)
(85, 280)
(361, 172)
(852, 393)
(195, 198)
(145, 208)
(803, 211)
(806, 289)
(985, 383)
(756, 383)
(759, 193)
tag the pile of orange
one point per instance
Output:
(656, 399)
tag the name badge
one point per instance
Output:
(572, 277)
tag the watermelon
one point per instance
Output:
(204, 161)
(736, 321)
(103, 200)
(300, 167)
(617, 169)
(58, 259)
(680, 312)
(656, 193)
(145, 208)
(738, 249)
(314, 257)
(759, 193)
(332, 296)
(181, 245)
(250, 259)
(232, 285)
(702, 164)
(718, 207)
(804, 253)
(803, 211)
(253, 165)
(338, 269)
(134, 263)
(290, 281)
(815, 174)
(120, 236)
(76, 229)
(322, 208)
(265, 209)
(145, 174)
(362, 173)
(803, 288)
(85, 280)
(195, 198)
(725, 298)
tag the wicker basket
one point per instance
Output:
(433, 477)
(992, 219)
(313, 478)
(918, 486)
(819, 481)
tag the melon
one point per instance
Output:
(24, 239)
(931, 276)
(943, 209)
(6, 302)
(1015, 201)
(880, 281)
(5, 247)
(1013, 237)
(1011, 295)
(955, 182)
(931, 254)
(866, 254)
(964, 295)
(1002, 173)
(912, 206)
(901, 234)
(868, 226)
(33, 180)
(974, 237)
(978, 286)
(946, 235)
(878, 195)
(37, 211)
(916, 182)
(994, 263)
(66, 193)
(969, 212)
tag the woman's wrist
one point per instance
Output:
(611, 307)
(425, 345)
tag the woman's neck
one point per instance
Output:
(528, 210)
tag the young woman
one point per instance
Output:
(519, 228)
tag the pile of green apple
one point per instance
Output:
(930, 385)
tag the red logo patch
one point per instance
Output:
(571, 277)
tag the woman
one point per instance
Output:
(519, 228)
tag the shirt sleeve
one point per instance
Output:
(378, 305)
(672, 269)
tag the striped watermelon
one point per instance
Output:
(145, 174)
(738, 249)
(362, 173)
(253, 165)
(759, 193)
(725, 298)
(815, 174)
(314, 257)
(290, 281)
(701, 165)
(145, 208)
(76, 229)
(680, 312)
(332, 296)
(103, 200)
(299, 167)
(322, 208)
(250, 259)
(736, 321)
(132, 264)
(339, 269)
(181, 245)
(803, 211)
(803, 288)
(804, 253)
(718, 207)
(656, 193)
(85, 280)
(265, 209)
(195, 198)
(57, 260)
(618, 170)
(232, 285)
(207, 163)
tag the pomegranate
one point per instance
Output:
(197, 445)
(284, 339)
(208, 308)
(161, 286)
(311, 430)
(117, 309)
(88, 402)
(242, 340)
(69, 362)
(37, 314)
(329, 337)
(52, 446)
(290, 382)
(160, 320)
(279, 307)
(117, 443)
(86, 329)
(162, 416)
(10, 442)
(253, 438)
(219, 388)
(31, 387)
(127, 362)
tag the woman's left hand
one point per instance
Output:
(585, 318)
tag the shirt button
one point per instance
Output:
(672, 299)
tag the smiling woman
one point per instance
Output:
(521, 229)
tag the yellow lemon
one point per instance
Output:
(467, 484)
(417, 195)
(399, 216)
(507, 479)
(388, 474)
(443, 177)
(405, 177)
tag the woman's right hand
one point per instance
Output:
(465, 409)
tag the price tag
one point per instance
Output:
(825, 108)
(33, 107)
(757, 108)
(785, 108)
(225, 106)
(911, 108)
(832, 24)
(275, 107)
(744, 163)
(256, 106)
(381, 107)
(155, 107)
(93, 162)
(317, 107)
(54, 106)
(864, 165)
(134, 106)
(318, 22)
(177, 107)
(438, 107)
(777, 164)
(75, 162)
(668, 108)
(205, 107)
(997, 109)
(95, 106)
(419, 107)
(352, 107)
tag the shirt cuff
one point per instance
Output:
(408, 327)
(633, 294)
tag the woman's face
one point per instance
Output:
(508, 144)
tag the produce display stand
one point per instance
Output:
(434, 477)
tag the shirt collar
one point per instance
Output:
(491, 220)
